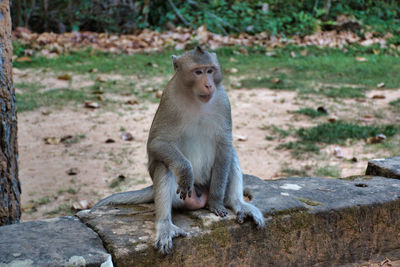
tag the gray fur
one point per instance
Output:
(190, 142)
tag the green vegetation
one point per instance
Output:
(395, 103)
(222, 16)
(310, 202)
(56, 97)
(339, 92)
(298, 149)
(328, 171)
(339, 132)
(313, 113)
(294, 172)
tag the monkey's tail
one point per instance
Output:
(142, 196)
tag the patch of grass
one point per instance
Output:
(294, 172)
(395, 103)
(338, 132)
(270, 82)
(298, 149)
(313, 113)
(337, 92)
(43, 201)
(328, 171)
(30, 87)
(56, 97)
(63, 209)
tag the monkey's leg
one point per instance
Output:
(165, 198)
(234, 196)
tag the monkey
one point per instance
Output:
(191, 158)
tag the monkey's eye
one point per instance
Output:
(198, 72)
(209, 71)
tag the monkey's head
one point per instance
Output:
(199, 72)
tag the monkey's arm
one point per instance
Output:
(169, 154)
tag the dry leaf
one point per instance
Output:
(322, 109)
(376, 139)
(132, 102)
(100, 98)
(126, 136)
(275, 80)
(332, 119)
(80, 205)
(93, 70)
(109, 141)
(380, 85)
(378, 97)
(232, 70)
(241, 138)
(367, 118)
(338, 152)
(159, 94)
(293, 54)
(90, 104)
(101, 79)
(51, 140)
(24, 59)
(361, 59)
(46, 112)
(72, 171)
(65, 77)
(65, 138)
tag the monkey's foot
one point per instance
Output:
(166, 232)
(248, 210)
(218, 209)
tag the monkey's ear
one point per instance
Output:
(199, 49)
(174, 62)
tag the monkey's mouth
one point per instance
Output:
(205, 98)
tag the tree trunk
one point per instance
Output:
(10, 188)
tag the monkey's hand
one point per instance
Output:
(217, 208)
(185, 184)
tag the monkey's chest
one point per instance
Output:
(199, 147)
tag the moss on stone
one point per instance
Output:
(310, 202)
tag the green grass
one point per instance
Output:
(294, 172)
(337, 92)
(298, 149)
(280, 82)
(328, 171)
(57, 97)
(313, 113)
(395, 103)
(338, 132)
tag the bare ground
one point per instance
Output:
(48, 189)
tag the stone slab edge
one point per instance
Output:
(63, 241)
(388, 167)
(309, 221)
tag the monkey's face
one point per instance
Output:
(199, 72)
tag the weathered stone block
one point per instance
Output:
(57, 242)
(309, 221)
(389, 167)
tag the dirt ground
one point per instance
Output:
(83, 168)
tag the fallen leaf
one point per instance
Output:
(65, 77)
(132, 102)
(293, 54)
(361, 100)
(232, 70)
(65, 138)
(304, 53)
(100, 98)
(354, 159)
(24, 59)
(271, 54)
(46, 112)
(109, 141)
(93, 70)
(72, 171)
(90, 104)
(275, 80)
(241, 138)
(126, 136)
(51, 140)
(332, 119)
(376, 139)
(98, 92)
(367, 118)
(378, 97)
(338, 152)
(159, 94)
(101, 79)
(151, 64)
(361, 59)
(80, 205)
(322, 109)
(380, 85)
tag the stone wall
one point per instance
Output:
(309, 221)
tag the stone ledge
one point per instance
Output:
(308, 221)
(61, 241)
(389, 167)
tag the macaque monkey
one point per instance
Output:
(192, 161)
